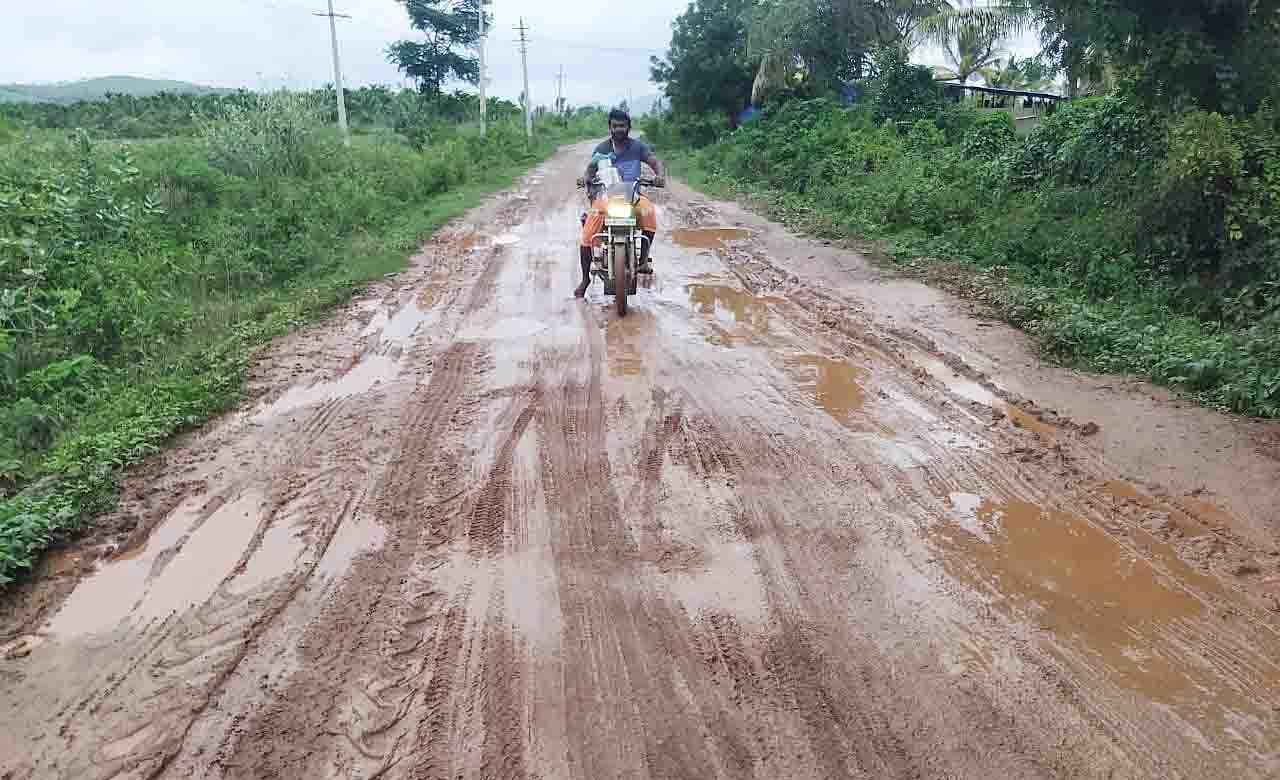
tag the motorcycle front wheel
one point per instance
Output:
(620, 281)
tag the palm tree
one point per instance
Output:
(1026, 74)
(971, 35)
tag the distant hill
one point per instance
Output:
(97, 89)
(8, 95)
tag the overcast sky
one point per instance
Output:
(254, 43)
(270, 43)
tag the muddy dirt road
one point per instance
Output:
(779, 522)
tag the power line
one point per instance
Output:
(595, 47)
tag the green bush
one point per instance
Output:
(992, 135)
(1087, 142)
(268, 137)
(902, 91)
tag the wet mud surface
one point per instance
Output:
(766, 526)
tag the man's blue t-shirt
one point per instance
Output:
(628, 160)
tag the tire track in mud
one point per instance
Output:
(490, 519)
(623, 712)
(139, 711)
(1025, 466)
(687, 568)
(381, 591)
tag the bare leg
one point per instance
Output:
(644, 252)
(585, 256)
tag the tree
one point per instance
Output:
(1028, 74)
(707, 68)
(811, 46)
(971, 51)
(1219, 55)
(817, 46)
(450, 27)
(899, 23)
(971, 35)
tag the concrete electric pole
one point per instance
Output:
(524, 60)
(560, 91)
(337, 73)
(484, 107)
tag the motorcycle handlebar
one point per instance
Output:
(645, 182)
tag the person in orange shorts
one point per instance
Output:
(627, 155)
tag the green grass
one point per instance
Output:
(171, 307)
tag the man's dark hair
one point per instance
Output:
(619, 115)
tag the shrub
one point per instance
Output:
(267, 137)
(992, 134)
(902, 91)
(1089, 141)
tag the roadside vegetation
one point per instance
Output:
(149, 245)
(1134, 230)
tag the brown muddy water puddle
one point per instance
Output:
(370, 371)
(393, 331)
(708, 238)
(972, 390)
(620, 339)
(181, 564)
(835, 384)
(730, 304)
(1111, 610)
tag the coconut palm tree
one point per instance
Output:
(1026, 74)
(971, 34)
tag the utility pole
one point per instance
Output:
(528, 99)
(484, 107)
(337, 73)
(560, 91)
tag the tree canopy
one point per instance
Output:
(451, 27)
(707, 68)
(1216, 54)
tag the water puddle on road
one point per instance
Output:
(972, 390)
(358, 534)
(620, 346)
(404, 324)
(182, 564)
(1027, 421)
(511, 328)
(954, 381)
(372, 370)
(380, 364)
(834, 383)
(1108, 608)
(730, 310)
(708, 238)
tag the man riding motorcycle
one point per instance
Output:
(626, 154)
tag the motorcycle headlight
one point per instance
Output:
(619, 211)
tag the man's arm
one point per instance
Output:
(659, 170)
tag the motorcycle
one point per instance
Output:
(616, 251)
